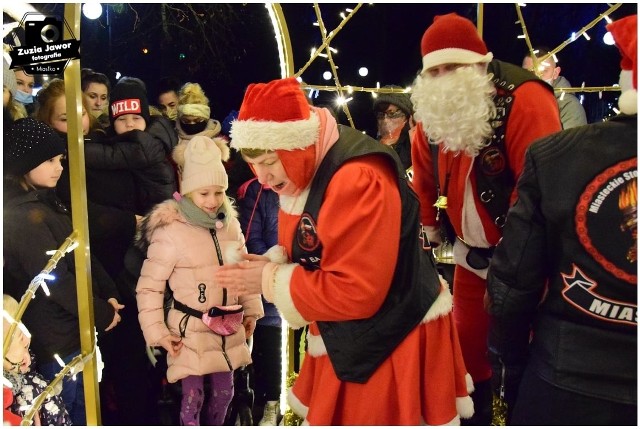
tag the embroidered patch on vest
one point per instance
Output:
(606, 219)
(493, 161)
(307, 233)
(580, 291)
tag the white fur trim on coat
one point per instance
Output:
(460, 251)
(282, 296)
(433, 234)
(294, 205)
(271, 135)
(296, 405)
(464, 406)
(455, 56)
(442, 306)
(277, 254)
(316, 346)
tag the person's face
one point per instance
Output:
(269, 170)
(129, 122)
(169, 104)
(6, 96)
(24, 81)
(209, 198)
(547, 70)
(443, 69)
(47, 174)
(18, 351)
(390, 123)
(97, 98)
(59, 117)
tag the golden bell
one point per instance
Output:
(441, 202)
(443, 254)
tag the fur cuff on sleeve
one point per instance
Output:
(277, 254)
(282, 296)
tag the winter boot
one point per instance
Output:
(270, 415)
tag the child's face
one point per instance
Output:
(129, 122)
(47, 174)
(59, 117)
(18, 351)
(209, 198)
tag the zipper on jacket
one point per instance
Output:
(224, 353)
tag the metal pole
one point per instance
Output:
(75, 147)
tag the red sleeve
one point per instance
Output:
(359, 227)
(528, 122)
(424, 183)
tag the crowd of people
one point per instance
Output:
(207, 235)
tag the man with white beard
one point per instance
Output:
(476, 117)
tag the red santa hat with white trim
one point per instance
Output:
(452, 39)
(625, 34)
(276, 116)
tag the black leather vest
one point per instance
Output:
(356, 348)
(494, 179)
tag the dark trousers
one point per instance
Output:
(72, 389)
(542, 404)
(267, 363)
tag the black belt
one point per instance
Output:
(478, 258)
(186, 309)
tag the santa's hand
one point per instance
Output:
(172, 344)
(243, 278)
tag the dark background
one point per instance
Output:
(224, 47)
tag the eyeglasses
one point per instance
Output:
(396, 114)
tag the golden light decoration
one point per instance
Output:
(325, 50)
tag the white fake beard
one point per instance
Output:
(456, 109)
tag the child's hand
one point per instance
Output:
(116, 320)
(172, 344)
(249, 324)
(116, 305)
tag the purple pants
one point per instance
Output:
(218, 398)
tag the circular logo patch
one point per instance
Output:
(606, 219)
(307, 233)
(492, 161)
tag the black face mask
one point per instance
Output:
(196, 128)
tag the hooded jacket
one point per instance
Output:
(185, 255)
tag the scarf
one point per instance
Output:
(195, 215)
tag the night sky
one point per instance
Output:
(236, 46)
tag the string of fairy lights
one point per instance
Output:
(76, 365)
(344, 91)
(344, 96)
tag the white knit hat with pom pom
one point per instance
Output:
(201, 162)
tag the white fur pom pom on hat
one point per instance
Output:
(625, 35)
(201, 162)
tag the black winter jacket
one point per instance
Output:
(566, 269)
(141, 188)
(35, 222)
(111, 216)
